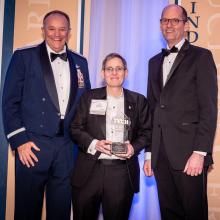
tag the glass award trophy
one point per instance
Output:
(120, 127)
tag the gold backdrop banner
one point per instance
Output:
(29, 15)
(204, 18)
(27, 31)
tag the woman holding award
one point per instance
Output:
(112, 125)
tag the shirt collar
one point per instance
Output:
(49, 50)
(119, 97)
(178, 45)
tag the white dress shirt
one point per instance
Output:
(169, 60)
(115, 108)
(61, 72)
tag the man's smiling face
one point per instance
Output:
(56, 31)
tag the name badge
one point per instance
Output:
(98, 107)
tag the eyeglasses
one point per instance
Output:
(173, 21)
(117, 69)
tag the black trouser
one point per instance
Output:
(181, 197)
(108, 185)
(50, 175)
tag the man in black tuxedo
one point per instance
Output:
(182, 93)
(42, 86)
(106, 115)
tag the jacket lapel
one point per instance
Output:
(129, 109)
(73, 81)
(48, 75)
(178, 59)
(102, 118)
(157, 82)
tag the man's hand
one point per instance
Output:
(26, 155)
(194, 165)
(130, 151)
(103, 146)
(147, 168)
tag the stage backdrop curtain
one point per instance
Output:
(131, 28)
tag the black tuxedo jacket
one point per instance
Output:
(185, 109)
(86, 127)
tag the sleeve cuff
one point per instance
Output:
(91, 148)
(147, 156)
(200, 152)
(18, 139)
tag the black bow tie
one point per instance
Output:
(166, 52)
(62, 56)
